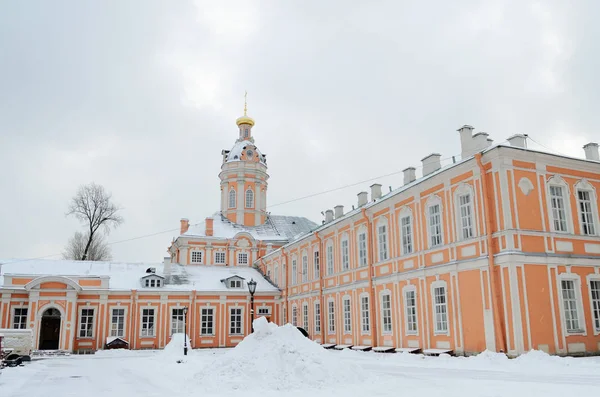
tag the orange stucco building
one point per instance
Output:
(499, 250)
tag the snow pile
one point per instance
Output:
(277, 358)
(175, 347)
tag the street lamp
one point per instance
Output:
(185, 311)
(252, 290)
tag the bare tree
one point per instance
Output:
(92, 205)
(97, 251)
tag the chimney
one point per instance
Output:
(328, 216)
(209, 226)
(466, 141)
(184, 225)
(167, 265)
(431, 163)
(339, 211)
(375, 191)
(409, 175)
(518, 140)
(363, 198)
(480, 141)
(591, 151)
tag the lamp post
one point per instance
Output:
(185, 311)
(252, 290)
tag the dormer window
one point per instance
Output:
(234, 282)
(153, 281)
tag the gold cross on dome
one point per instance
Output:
(245, 102)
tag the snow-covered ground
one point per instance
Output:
(277, 361)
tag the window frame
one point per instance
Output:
(594, 306)
(386, 312)
(434, 201)
(232, 199)
(153, 322)
(172, 320)
(249, 198)
(330, 316)
(241, 255)
(92, 329)
(406, 213)
(294, 270)
(408, 316)
(465, 223)
(198, 253)
(584, 186)
(362, 247)
(235, 283)
(365, 319)
(110, 325)
(330, 258)
(347, 314)
(443, 314)
(305, 317)
(295, 315)
(203, 327)
(345, 252)
(317, 315)
(383, 244)
(316, 264)
(241, 321)
(23, 318)
(219, 254)
(581, 320)
(557, 181)
(304, 266)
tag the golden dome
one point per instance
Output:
(245, 120)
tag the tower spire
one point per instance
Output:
(245, 102)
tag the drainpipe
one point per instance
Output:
(498, 328)
(321, 280)
(371, 275)
(287, 309)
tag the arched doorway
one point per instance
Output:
(50, 330)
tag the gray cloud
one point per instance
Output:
(141, 96)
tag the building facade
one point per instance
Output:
(498, 251)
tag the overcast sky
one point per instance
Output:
(142, 96)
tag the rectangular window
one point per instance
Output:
(382, 236)
(569, 298)
(362, 249)
(317, 265)
(219, 257)
(196, 256)
(329, 259)
(557, 203)
(264, 311)
(152, 283)
(177, 321)
(595, 292)
(466, 216)
(284, 314)
(294, 271)
(317, 317)
(304, 268)
(117, 323)
(435, 225)
(440, 309)
(347, 316)
(86, 323)
(235, 283)
(386, 312)
(305, 316)
(242, 259)
(235, 321)
(20, 318)
(147, 322)
(331, 316)
(585, 208)
(294, 316)
(410, 303)
(345, 255)
(406, 225)
(207, 315)
(364, 310)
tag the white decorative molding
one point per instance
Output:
(346, 278)
(384, 270)
(442, 344)
(206, 341)
(576, 347)
(526, 186)
(413, 343)
(565, 246)
(592, 248)
(469, 250)
(364, 273)
(409, 264)
(329, 282)
(437, 258)
(348, 341)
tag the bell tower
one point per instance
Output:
(244, 178)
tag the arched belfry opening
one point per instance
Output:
(50, 329)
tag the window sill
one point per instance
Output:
(85, 338)
(412, 334)
(148, 337)
(441, 333)
(578, 332)
(236, 334)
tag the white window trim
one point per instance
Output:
(386, 292)
(329, 331)
(192, 256)
(155, 323)
(214, 309)
(383, 222)
(584, 185)
(406, 212)
(249, 190)
(346, 298)
(224, 257)
(330, 264)
(362, 230)
(360, 298)
(316, 262)
(12, 318)
(315, 304)
(589, 278)
(242, 323)
(173, 308)
(294, 270)
(263, 307)
(558, 181)
(462, 190)
(304, 271)
(94, 321)
(306, 325)
(125, 317)
(580, 312)
(345, 239)
(434, 285)
(294, 321)
(247, 258)
(432, 201)
(406, 289)
(234, 198)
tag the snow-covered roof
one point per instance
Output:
(126, 276)
(276, 228)
(235, 154)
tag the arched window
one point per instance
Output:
(246, 133)
(232, 198)
(249, 198)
